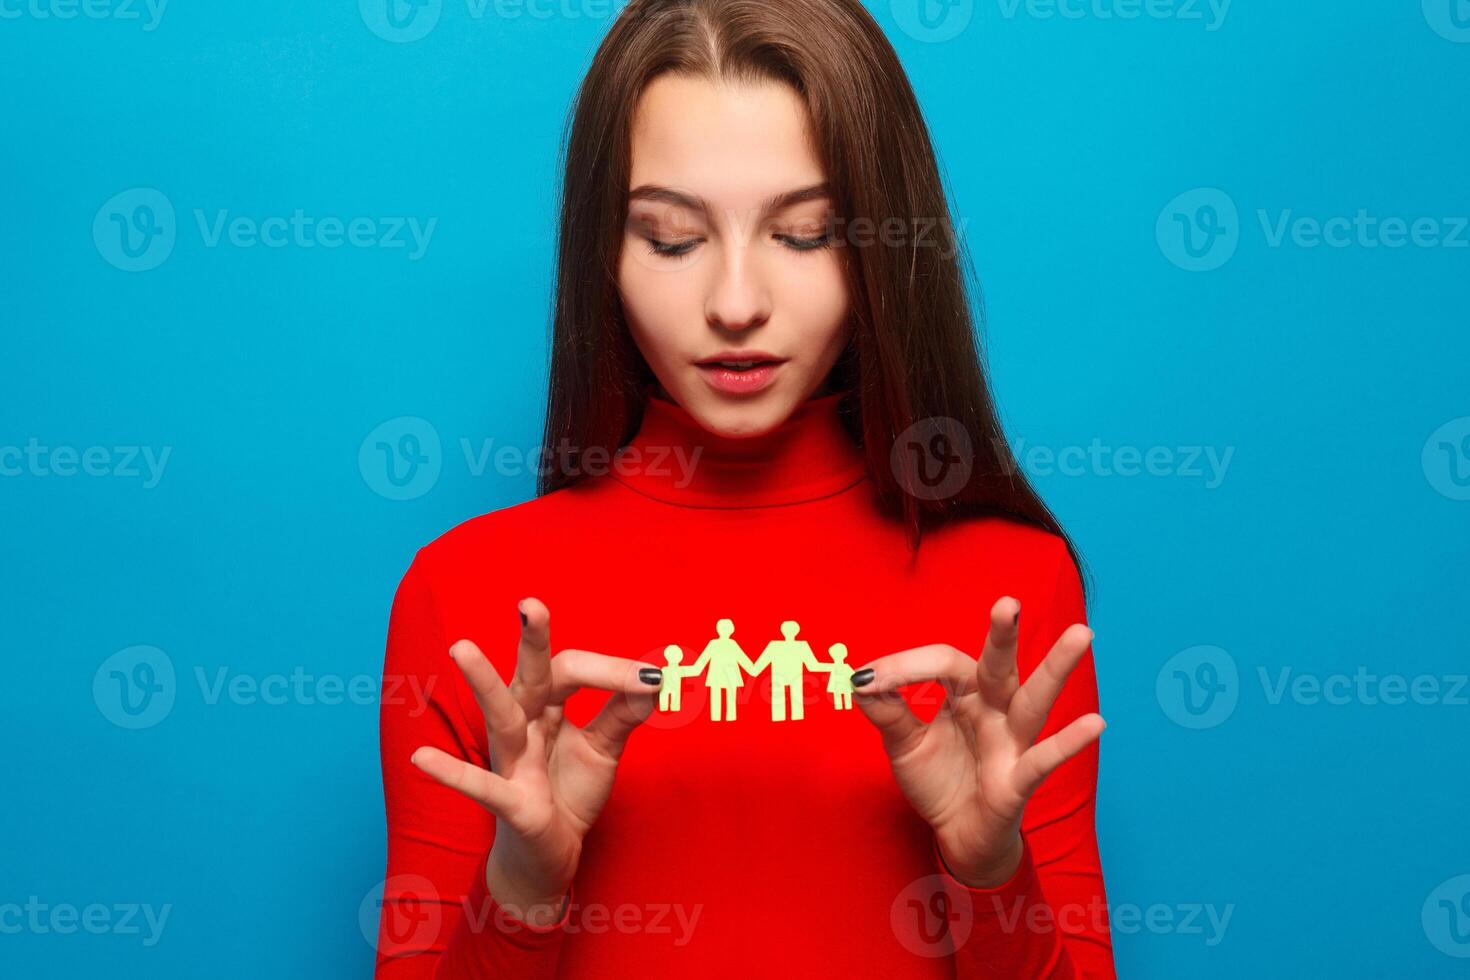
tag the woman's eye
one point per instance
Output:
(799, 244)
(671, 249)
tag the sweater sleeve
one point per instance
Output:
(438, 919)
(1050, 920)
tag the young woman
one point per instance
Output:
(772, 429)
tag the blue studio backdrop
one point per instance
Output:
(274, 314)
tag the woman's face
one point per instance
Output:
(727, 252)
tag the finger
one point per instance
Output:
(492, 792)
(881, 701)
(609, 729)
(1043, 758)
(572, 670)
(633, 684)
(505, 720)
(952, 668)
(995, 672)
(896, 722)
(532, 681)
(1029, 707)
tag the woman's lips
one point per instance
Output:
(740, 382)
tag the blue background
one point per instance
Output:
(1335, 540)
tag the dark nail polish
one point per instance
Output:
(1016, 619)
(650, 675)
(863, 677)
(523, 615)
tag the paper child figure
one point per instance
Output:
(673, 683)
(725, 659)
(839, 683)
(787, 658)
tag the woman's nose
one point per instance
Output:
(739, 298)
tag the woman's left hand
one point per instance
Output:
(970, 771)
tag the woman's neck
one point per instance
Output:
(673, 458)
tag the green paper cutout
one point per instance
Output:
(724, 665)
(724, 660)
(673, 674)
(839, 685)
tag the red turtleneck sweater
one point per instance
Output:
(745, 848)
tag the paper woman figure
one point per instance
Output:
(839, 681)
(787, 658)
(673, 683)
(724, 660)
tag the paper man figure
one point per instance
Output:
(673, 684)
(787, 658)
(725, 659)
(839, 684)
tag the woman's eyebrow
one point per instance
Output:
(778, 202)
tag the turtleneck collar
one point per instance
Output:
(675, 459)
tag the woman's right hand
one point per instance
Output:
(548, 779)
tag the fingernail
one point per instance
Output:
(522, 612)
(1016, 619)
(863, 677)
(650, 675)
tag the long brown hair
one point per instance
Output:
(914, 358)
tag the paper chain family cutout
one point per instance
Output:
(723, 663)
